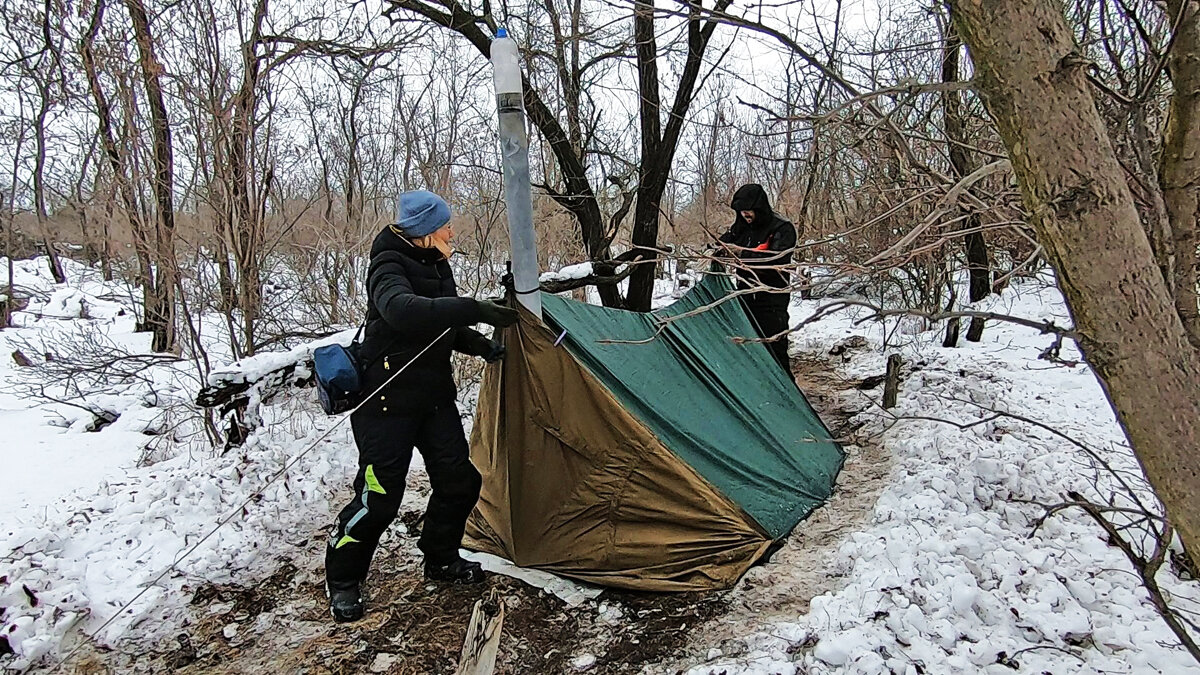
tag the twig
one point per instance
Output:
(878, 313)
(1147, 569)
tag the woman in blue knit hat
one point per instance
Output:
(412, 299)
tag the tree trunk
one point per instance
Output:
(645, 212)
(9, 299)
(109, 145)
(1180, 172)
(160, 317)
(1035, 86)
(658, 147)
(244, 196)
(106, 269)
(1154, 218)
(39, 185)
(6, 307)
(9, 226)
(978, 266)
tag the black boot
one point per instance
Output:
(458, 572)
(345, 602)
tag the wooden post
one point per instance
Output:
(680, 270)
(952, 329)
(891, 386)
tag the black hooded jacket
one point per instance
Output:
(767, 242)
(412, 298)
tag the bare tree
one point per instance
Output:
(1179, 174)
(978, 265)
(15, 134)
(1131, 329)
(116, 142)
(34, 44)
(660, 126)
(160, 315)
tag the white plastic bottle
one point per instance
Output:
(506, 68)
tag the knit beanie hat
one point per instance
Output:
(420, 212)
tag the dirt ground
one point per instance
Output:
(803, 567)
(282, 624)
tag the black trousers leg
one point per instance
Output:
(385, 447)
(454, 480)
(773, 319)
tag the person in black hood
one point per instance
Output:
(415, 319)
(764, 242)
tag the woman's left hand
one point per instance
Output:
(495, 353)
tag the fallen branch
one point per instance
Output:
(1147, 568)
(878, 313)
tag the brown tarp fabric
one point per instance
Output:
(574, 484)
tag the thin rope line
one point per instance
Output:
(235, 512)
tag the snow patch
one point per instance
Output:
(951, 575)
(568, 273)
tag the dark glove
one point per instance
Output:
(496, 351)
(496, 315)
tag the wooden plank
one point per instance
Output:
(482, 645)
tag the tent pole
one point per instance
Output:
(514, 157)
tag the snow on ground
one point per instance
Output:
(950, 575)
(45, 454)
(85, 527)
(78, 572)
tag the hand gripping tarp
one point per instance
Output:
(640, 453)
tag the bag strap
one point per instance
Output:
(380, 355)
(362, 329)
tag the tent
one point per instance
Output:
(629, 452)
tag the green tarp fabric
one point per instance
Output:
(724, 408)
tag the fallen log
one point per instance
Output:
(238, 389)
(562, 286)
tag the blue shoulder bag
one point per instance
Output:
(339, 380)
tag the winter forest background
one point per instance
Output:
(191, 184)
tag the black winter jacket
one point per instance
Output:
(767, 242)
(411, 300)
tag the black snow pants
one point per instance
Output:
(385, 446)
(771, 315)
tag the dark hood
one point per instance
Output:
(752, 197)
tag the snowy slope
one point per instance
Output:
(84, 527)
(44, 455)
(950, 576)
